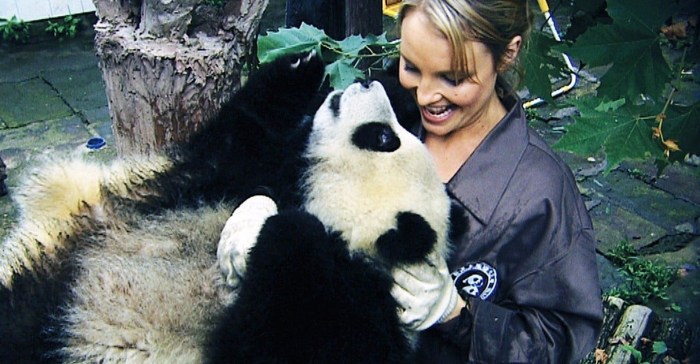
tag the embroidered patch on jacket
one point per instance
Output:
(476, 279)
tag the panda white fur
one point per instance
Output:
(119, 262)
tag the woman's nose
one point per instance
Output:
(427, 92)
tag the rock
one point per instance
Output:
(633, 329)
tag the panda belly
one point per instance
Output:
(148, 293)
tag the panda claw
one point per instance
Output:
(304, 59)
(309, 56)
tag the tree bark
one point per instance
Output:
(363, 17)
(337, 18)
(168, 66)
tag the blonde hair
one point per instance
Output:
(491, 22)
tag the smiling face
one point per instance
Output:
(449, 101)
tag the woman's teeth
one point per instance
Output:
(438, 111)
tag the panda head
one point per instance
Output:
(364, 169)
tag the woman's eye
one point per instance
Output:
(410, 68)
(452, 80)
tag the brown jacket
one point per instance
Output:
(527, 260)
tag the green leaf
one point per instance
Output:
(289, 41)
(342, 74)
(632, 45)
(652, 13)
(352, 45)
(541, 67)
(635, 353)
(342, 58)
(624, 133)
(610, 105)
(682, 125)
(659, 347)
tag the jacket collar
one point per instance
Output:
(480, 183)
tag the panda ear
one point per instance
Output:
(377, 137)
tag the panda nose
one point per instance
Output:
(365, 83)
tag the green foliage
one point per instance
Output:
(644, 279)
(640, 74)
(621, 253)
(347, 60)
(540, 66)
(67, 27)
(14, 30)
(631, 45)
(617, 126)
(636, 354)
(632, 114)
(658, 348)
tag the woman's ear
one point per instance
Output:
(511, 53)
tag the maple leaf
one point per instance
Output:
(622, 133)
(540, 66)
(681, 125)
(631, 45)
(342, 57)
(342, 74)
(290, 41)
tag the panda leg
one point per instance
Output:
(280, 93)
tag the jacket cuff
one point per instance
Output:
(458, 330)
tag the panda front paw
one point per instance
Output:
(410, 242)
(240, 234)
(303, 59)
(304, 72)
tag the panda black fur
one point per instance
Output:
(256, 140)
(317, 289)
(71, 207)
(129, 252)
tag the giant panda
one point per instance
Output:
(65, 204)
(119, 263)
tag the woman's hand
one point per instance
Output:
(425, 293)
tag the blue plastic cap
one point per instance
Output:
(95, 143)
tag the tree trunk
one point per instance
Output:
(169, 65)
(363, 17)
(337, 18)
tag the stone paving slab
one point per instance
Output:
(47, 56)
(682, 182)
(652, 204)
(614, 224)
(45, 104)
(82, 89)
(19, 146)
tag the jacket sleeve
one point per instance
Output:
(551, 314)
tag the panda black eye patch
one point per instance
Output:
(377, 137)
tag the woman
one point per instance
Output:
(524, 285)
